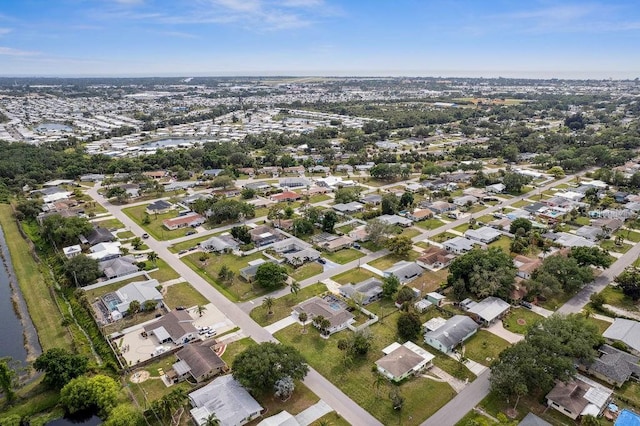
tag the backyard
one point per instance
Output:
(503, 242)
(355, 378)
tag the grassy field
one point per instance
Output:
(238, 289)
(109, 224)
(154, 388)
(155, 228)
(353, 276)
(441, 238)
(183, 294)
(410, 232)
(614, 296)
(430, 280)
(464, 227)
(305, 271)
(389, 260)
(429, 224)
(612, 246)
(503, 242)
(282, 306)
(125, 235)
(343, 256)
(233, 349)
(184, 245)
(332, 419)
(301, 399)
(164, 272)
(42, 307)
(601, 324)
(632, 236)
(631, 392)
(356, 378)
(520, 319)
(484, 347)
(521, 203)
(319, 198)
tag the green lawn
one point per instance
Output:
(371, 246)
(601, 324)
(410, 232)
(486, 218)
(101, 291)
(34, 286)
(305, 271)
(125, 235)
(614, 296)
(476, 208)
(389, 260)
(484, 347)
(347, 228)
(353, 276)
(495, 404)
(344, 256)
(155, 228)
(555, 301)
(319, 198)
(430, 280)
(332, 419)
(630, 391)
(238, 289)
(520, 319)
(503, 242)
(109, 224)
(429, 224)
(628, 234)
(462, 228)
(184, 245)
(233, 349)
(582, 221)
(183, 294)
(441, 238)
(164, 272)
(612, 246)
(521, 203)
(356, 378)
(154, 388)
(301, 399)
(283, 305)
(450, 365)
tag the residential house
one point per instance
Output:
(118, 267)
(465, 200)
(334, 182)
(435, 258)
(332, 310)
(591, 233)
(439, 207)
(579, 397)
(157, 174)
(212, 172)
(370, 289)
(319, 169)
(526, 266)
(176, 327)
(220, 244)
(613, 366)
(436, 298)
(610, 225)
(420, 214)
(140, 291)
(394, 219)
(294, 170)
(489, 310)
(621, 197)
(257, 186)
(535, 208)
(484, 234)
(159, 207)
(264, 235)
(404, 270)
(403, 361)
(344, 168)
(72, 251)
(92, 177)
(191, 219)
(274, 171)
(286, 196)
(532, 420)
(98, 235)
(625, 331)
(283, 418)
(359, 234)
(348, 208)
(571, 195)
(332, 243)
(249, 272)
(459, 245)
(452, 333)
(294, 182)
(105, 251)
(496, 188)
(295, 251)
(569, 240)
(225, 398)
(199, 361)
(373, 199)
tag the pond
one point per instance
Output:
(83, 420)
(53, 127)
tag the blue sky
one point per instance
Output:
(510, 38)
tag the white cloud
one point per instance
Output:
(4, 31)
(10, 51)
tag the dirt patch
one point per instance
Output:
(139, 376)
(521, 321)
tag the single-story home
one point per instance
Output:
(465, 200)
(118, 267)
(402, 361)
(105, 251)
(257, 186)
(264, 235)
(98, 235)
(613, 366)
(339, 318)
(374, 199)
(452, 333)
(625, 331)
(394, 219)
(436, 298)
(348, 208)
(72, 251)
(420, 214)
(140, 291)
(225, 398)
(496, 188)
(532, 420)
(198, 360)
(296, 251)
(332, 243)
(489, 310)
(590, 233)
(286, 196)
(526, 266)
(459, 245)
(220, 244)
(579, 397)
(176, 327)
(440, 207)
(249, 272)
(191, 219)
(435, 258)
(404, 270)
(159, 207)
(484, 234)
(371, 290)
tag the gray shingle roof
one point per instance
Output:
(453, 331)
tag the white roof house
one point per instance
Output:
(404, 270)
(142, 291)
(459, 245)
(484, 234)
(104, 251)
(489, 309)
(227, 399)
(402, 361)
(72, 251)
(625, 331)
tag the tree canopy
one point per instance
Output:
(60, 366)
(271, 276)
(259, 367)
(482, 273)
(629, 282)
(84, 393)
(82, 270)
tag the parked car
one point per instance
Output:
(356, 246)
(526, 304)
(145, 235)
(321, 261)
(182, 251)
(191, 232)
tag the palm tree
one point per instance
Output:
(268, 302)
(152, 257)
(212, 420)
(200, 309)
(295, 287)
(124, 251)
(134, 307)
(302, 316)
(378, 381)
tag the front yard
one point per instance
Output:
(283, 306)
(389, 260)
(238, 289)
(305, 271)
(353, 276)
(343, 256)
(518, 320)
(429, 224)
(484, 347)
(183, 294)
(164, 272)
(356, 379)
